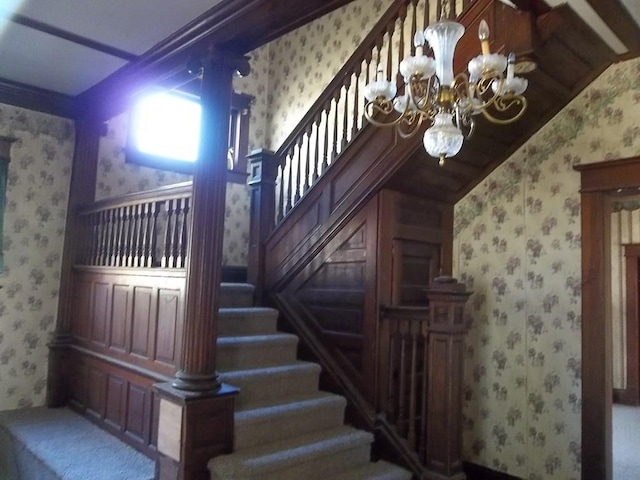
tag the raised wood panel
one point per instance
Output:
(142, 320)
(116, 397)
(96, 388)
(120, 316)
(137, 420)
(145, 318)
(100, 312)
(115, 403)
(167, 329)
(81, 313)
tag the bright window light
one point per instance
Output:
(168, 126)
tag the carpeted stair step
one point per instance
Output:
(292, 419)
(256, 351)
(262, 386)
(247, 321)
(234, 295)
(315, 456)
(379, 470)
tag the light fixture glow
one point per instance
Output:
(168, 126)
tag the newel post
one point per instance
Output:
(262, 181)
(447, 330)
(196, 410)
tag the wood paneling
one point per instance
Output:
(167, 335)
(142, 320)
(135, 317)
(117, 397)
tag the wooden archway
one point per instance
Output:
(597, 180)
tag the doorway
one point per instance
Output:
(597, 181)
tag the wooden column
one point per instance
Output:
(262, 180)
(81, 192)
(196, 410)
(447, 330)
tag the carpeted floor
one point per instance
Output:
(58, 444)
(626, 442)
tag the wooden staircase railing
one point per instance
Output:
(146, 229)
(337, 116)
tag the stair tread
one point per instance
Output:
(242, 311)
(318, 399)
(294, 367)
(255, 340)
(280, 454)
(379, 470)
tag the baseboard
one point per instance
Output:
(626, 396)
(232, 274)
(479, 472)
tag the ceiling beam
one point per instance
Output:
(40, 100)
(238, 26)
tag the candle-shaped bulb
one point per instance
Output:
(511, 64)
(418, 42)
(483, 35)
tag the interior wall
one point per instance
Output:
(518, 247)
(37, 194)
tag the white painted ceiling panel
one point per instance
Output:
(633, 6)
(34, 58)
(130, 25)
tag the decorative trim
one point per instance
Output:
(626, 396)
(38, 99)
(480, 472)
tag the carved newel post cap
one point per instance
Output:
(445, 283)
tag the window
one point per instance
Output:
(164, 133)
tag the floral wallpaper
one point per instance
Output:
(36, 202)
(518, 248)
(303, 62)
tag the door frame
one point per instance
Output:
(597, 179)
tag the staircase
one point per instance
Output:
(285, 428)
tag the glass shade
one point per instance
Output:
(418, 65)
(443, 138)
(380, 88)
(443, 37)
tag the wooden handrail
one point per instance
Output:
(373, 38)
(167, 192)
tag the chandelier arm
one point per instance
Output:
(384, 107)
(415, 125)
(504, 104)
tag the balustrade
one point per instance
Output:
(147, 229)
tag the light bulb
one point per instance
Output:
(483, 35)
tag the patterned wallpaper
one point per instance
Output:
(37, 191)
(302, 63)
(518, 246)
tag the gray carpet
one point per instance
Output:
(58, 444)
(626, 442)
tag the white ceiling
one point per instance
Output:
(40, 59)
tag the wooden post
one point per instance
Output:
(262, 180)
(81, 192)
(447, 330)
(196, 410)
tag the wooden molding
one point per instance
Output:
(38, 99)
(596, 180)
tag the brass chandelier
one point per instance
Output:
(447, 103)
